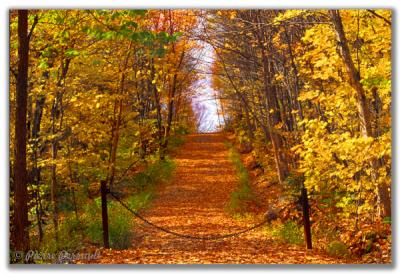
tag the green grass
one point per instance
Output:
(70, 235)
(243, 193)
(137, 191)
(338, 249)
(121, 222)
(160, 171)
(141, 200)
(73, 234)
(175, 141)
(288, 232)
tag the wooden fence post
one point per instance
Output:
(306, 217)
(104, 213)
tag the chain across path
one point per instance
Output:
(211, 237)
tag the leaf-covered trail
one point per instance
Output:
(193, 203)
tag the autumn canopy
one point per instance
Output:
(298, 102)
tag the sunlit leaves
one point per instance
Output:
(71, 53)
(334, 154)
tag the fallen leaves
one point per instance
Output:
(194, 204)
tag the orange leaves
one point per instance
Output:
(194, 204)
(230, 14)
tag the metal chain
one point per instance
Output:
(212, 237)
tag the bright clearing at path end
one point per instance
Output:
(205, 103)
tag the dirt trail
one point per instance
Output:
(193, 203)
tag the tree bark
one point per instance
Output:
(104, 213)
(115, 139)
(21, 233)
(353, 74)
(363, 104)
(157, 102)
(53, 187)
(272, 114)
(35, 174)
(306, 217)
(57, 113)
(118, 109)
(171, 101)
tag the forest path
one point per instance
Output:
(193, 203)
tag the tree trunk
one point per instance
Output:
(353, 74)
(364, 113)
(57, 113)
(272, 116)
(35, 173)
(20, 232)
(39, 214)
(104, 213)
(115, 140)
(118, 109)
(171, 101)
(306, 217)
(53, 187)
(157, 102)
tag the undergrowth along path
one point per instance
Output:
(194, 203)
